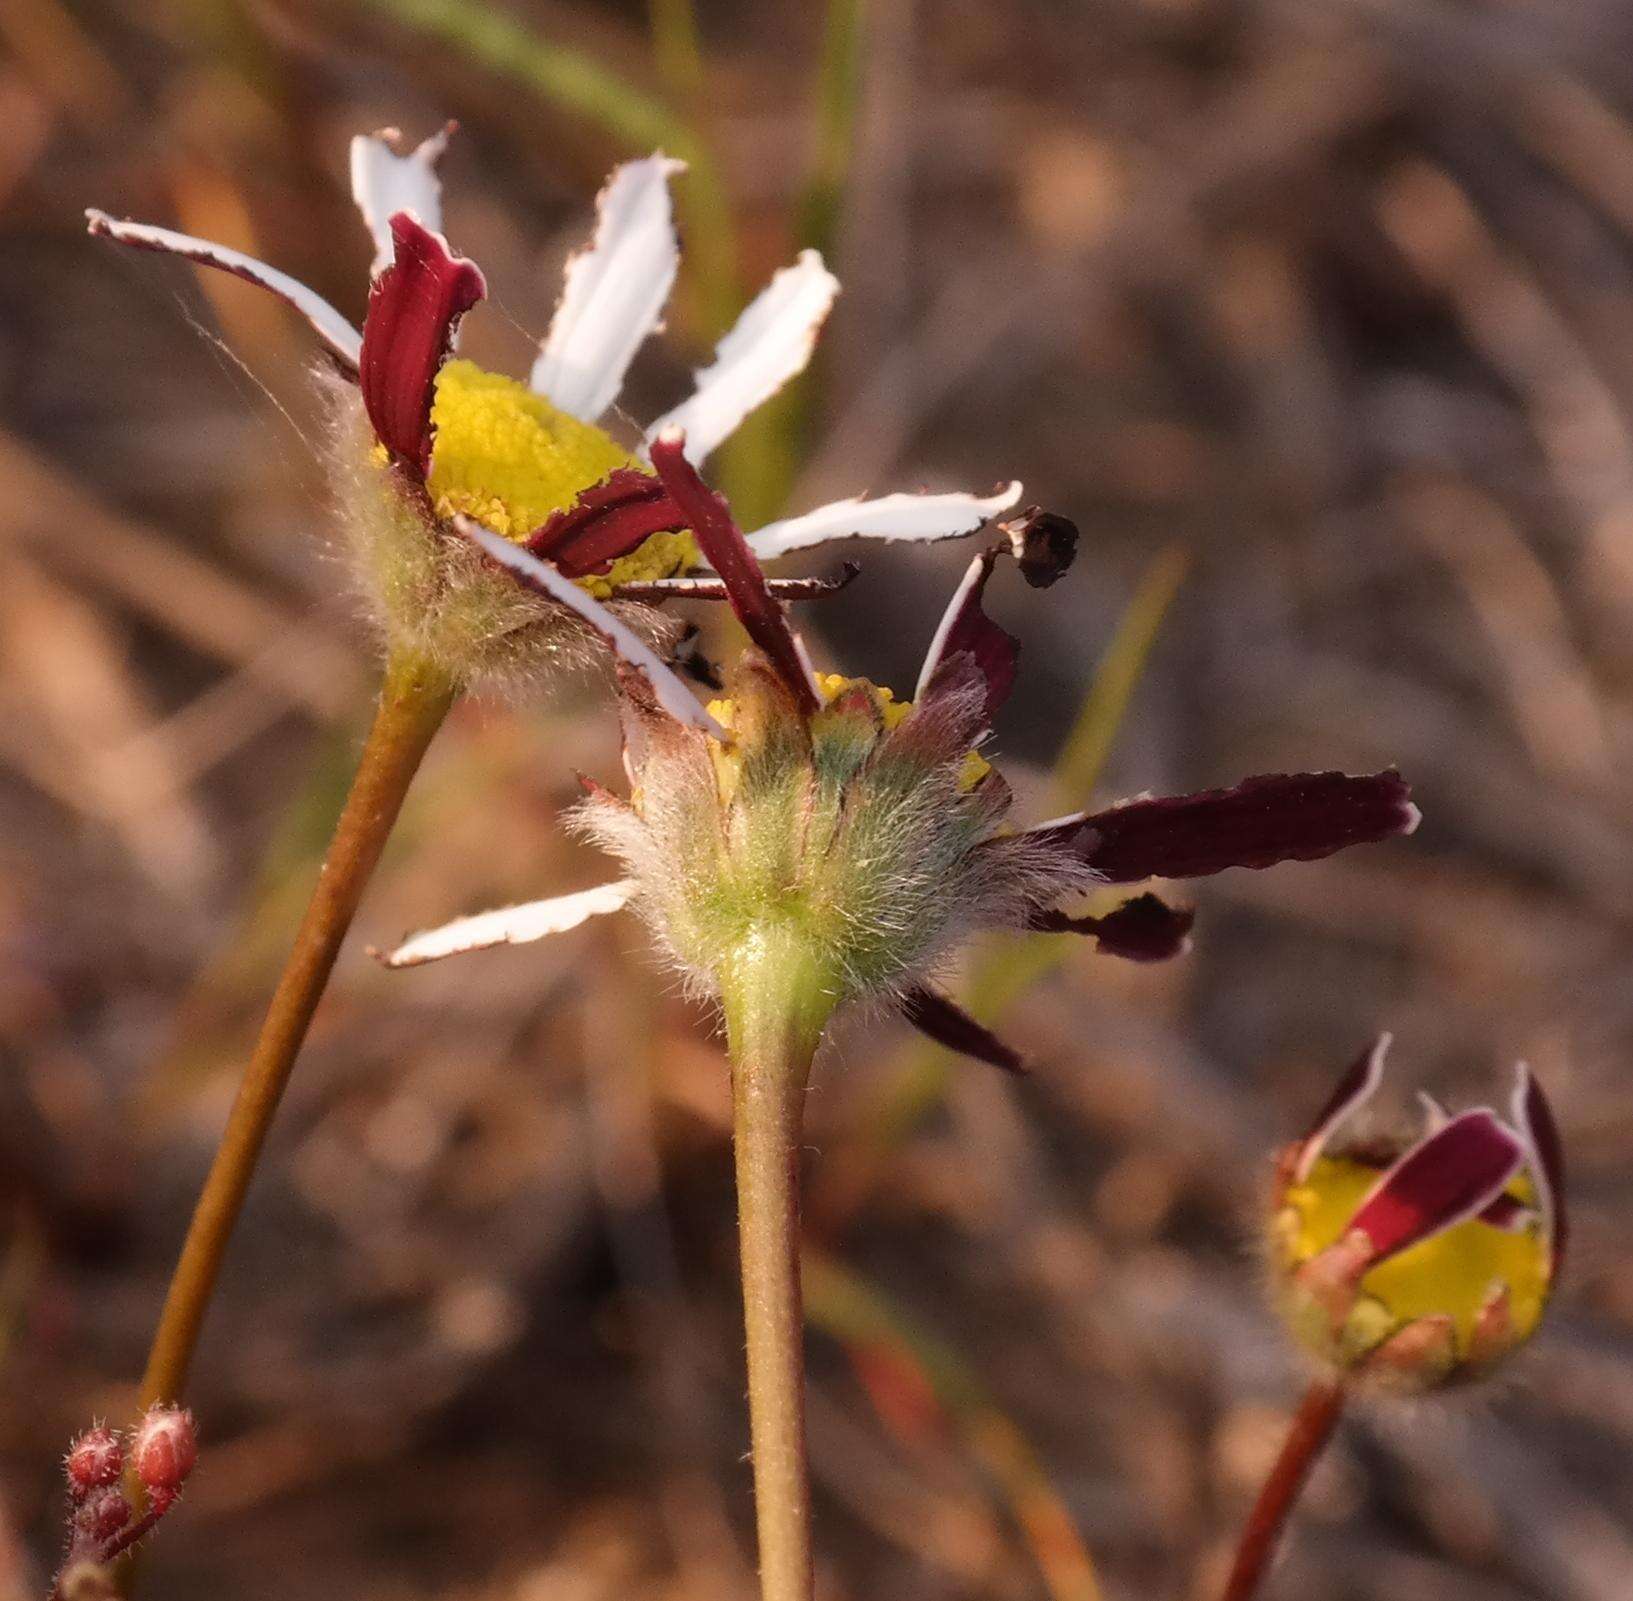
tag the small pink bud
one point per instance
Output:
(101, 1516)
(164, 1453)
(95, 1459)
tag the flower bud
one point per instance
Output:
(99, 1517)
(94, 1460)
(164, 1452)
(1414, 1264)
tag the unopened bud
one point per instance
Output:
(95, 1459)
(99, 1517)
(163, 1455)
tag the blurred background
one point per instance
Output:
(1317, 319)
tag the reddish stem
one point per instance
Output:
(1312, 1427)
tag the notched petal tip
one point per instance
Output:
(613, 291)
(770, 343)
(902, 516)
(414, 311)
(385, 182)
(1263, 821)
(948, 1024)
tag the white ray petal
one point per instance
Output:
(333, 329)
(509, 925)
(384, 183)
(770, 343)
(614, 292)
(901, 516)
(668, 686)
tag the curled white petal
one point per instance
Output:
(769, 344)
(510, 925)
(333, 329)
(613, 293)
(667, 685)
(384, 183)
(900, 516)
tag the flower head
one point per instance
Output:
(422, 436)
(1413, 1263)
(871, 831)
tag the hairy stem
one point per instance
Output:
(414, 699)
(1312, 1427)
(776, 1005)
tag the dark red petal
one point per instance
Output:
(414, 308)
(1536, 1121)
(965, 629)
(1044, 543)
(1358, 1085)
(1282, 817)
(714, 589)
(1451, 1176)
(725, 550)
(948, 1024)
(609, 520)
(1145, 929)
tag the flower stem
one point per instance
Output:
(776, 1005)
(1312, 1427)
(414, 699)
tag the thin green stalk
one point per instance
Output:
(839, 98)
(776, 1004)
(1311, 1429)
(414, 699)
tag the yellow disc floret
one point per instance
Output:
(509, 459)
(831, 686)
(1451, 1274)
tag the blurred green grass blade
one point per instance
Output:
(838, 102)
(1083, 757)
(677, 48)
(639, 122)
(861, 1316)
(918, 1079)
(759, 463)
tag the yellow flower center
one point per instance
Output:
(1453, 1273)
(509, 459)
(831, 686)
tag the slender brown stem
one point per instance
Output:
(1312, 1427)
(775, 1007)
(414, 699)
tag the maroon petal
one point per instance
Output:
(414, 308)
(714, 589)
(1145, 929)
(966, 629)
(1282, 817)
(947, 1023)
(725, 550)
(609, 520)
(1358, 1085)
(1450, 1177)
(1535, 1120)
